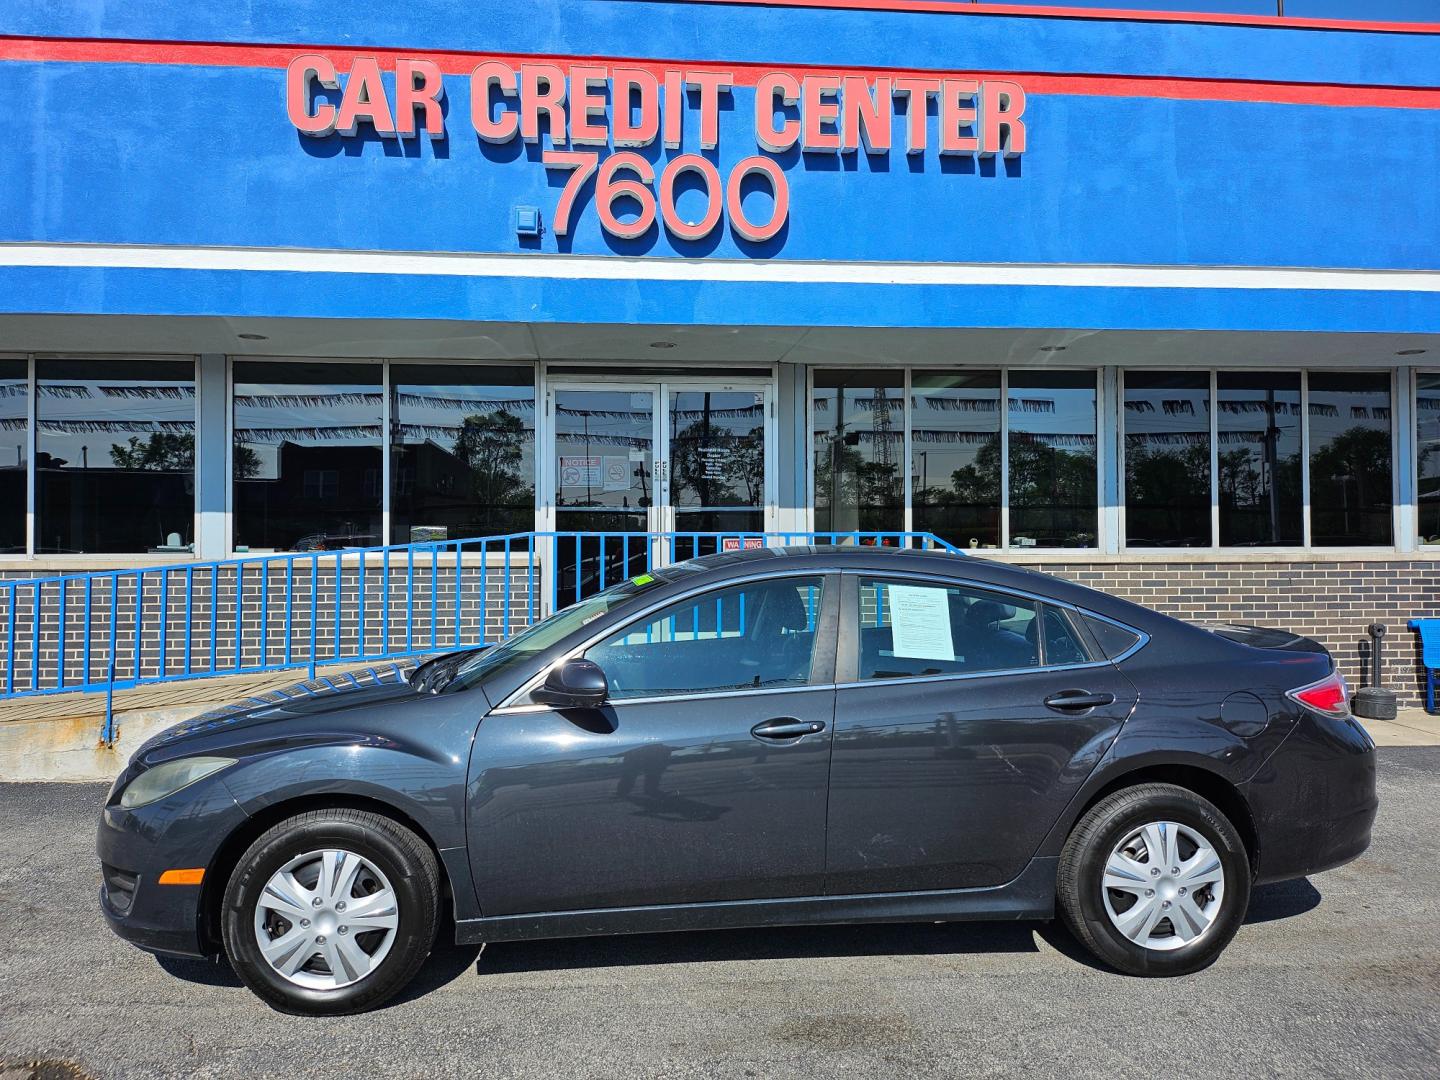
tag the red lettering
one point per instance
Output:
(627, 131)
(918, 93)
(1001, 106)
(534, 100)
(304, 70)
(365, 99)
(771, 91)
(492, 73)
(710, 84)
(957, 114)
(821, 106)
(419, 85)
(587, 101)
(866, 118)
(674, 108)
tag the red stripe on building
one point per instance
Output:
(745, 74)
(1203, 18)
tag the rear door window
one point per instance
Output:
(923, 628)
(912, 628)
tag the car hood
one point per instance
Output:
(374, 686)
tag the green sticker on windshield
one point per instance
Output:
(643, 579)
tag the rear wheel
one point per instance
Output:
(1154, 880)
(331, 911)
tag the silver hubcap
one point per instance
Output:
(326, 919)
(1163, 886)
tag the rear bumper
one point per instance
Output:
(1314, 801)
(136, 846)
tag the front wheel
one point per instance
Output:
(331, 911)
(1154, 880)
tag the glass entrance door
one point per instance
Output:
(645, 473)
(604, 484)
(716, 467)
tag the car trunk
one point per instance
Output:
(1263, 637)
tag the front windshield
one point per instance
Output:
(550, 630)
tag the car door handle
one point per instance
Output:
(786, 727)
(1067, 700)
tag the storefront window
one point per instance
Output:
(1351, 493)
(859, 447)
(1053, 479)
(14, 435)
(115, 456)
(462, 451)
(1258, 425)
(955, 456)
(307, 456)
(1167, 458)
(1427, 452)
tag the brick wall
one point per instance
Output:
(1332, 602)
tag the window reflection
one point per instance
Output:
(115, 455)
(1258, 425)
(14, 416)
(1350, 480)
(859, 447)
(955, 456)
(307, 457)
(1427, 449)
(1167, 459)
(463, 451)
(1053, 497)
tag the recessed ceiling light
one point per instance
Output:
(1052, 348)
(662, 344)
(1409, 352)
(252, 337)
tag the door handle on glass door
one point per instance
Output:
(786, 727)
(1078, 699)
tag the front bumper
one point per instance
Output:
(183, 831)
(1314, 801)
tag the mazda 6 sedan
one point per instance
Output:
(763, 738)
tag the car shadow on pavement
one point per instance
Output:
(1282, 900)
(448, 962)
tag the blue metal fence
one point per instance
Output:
(119, 629)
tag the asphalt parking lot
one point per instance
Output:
(1335, 976)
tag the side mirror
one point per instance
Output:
(575, 684)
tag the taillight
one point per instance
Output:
(1329, 697)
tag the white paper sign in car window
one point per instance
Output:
(920, 623)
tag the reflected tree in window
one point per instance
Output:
(1350, 471)
(1167, 459)
(462, 449)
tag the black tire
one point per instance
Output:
(398, 853)
(1080, 894)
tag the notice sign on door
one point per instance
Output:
(920, 623)
(579, 471)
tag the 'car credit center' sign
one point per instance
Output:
(572, 106)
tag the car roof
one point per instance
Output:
(717, 568)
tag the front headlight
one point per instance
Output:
(156, 783)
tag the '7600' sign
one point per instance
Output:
(621, 108)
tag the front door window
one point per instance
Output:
(757, 636)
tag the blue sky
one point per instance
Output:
(1375, 10)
